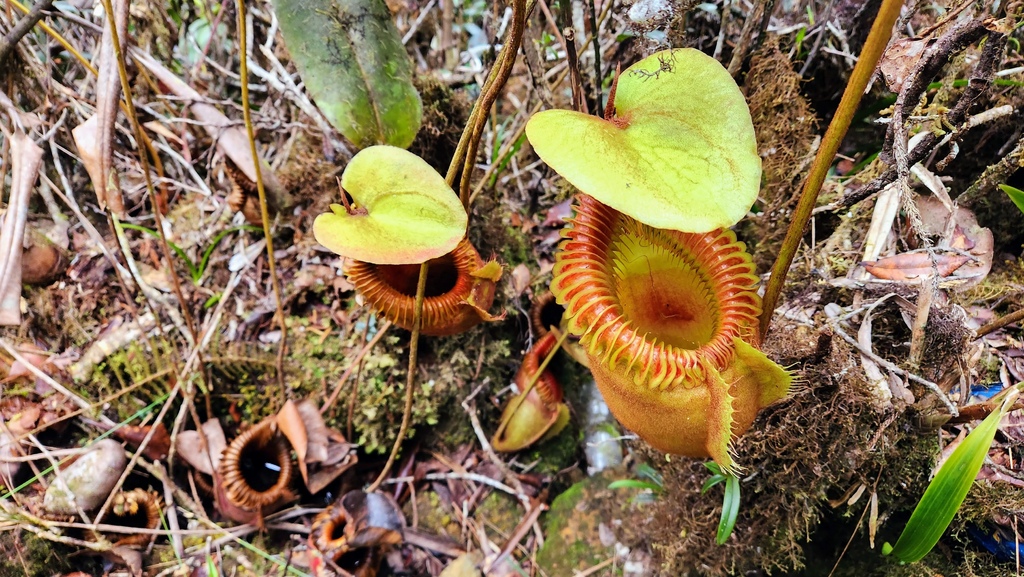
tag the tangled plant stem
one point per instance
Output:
(876, 42)
(465, 149)
(264, 212)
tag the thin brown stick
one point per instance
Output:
(410, 377)
(862, 72)
(466, 149)
(19, 30)
(999, 323)
(264, 212)
(144, 163)
(579, 99)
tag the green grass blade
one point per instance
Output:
(947, 490)
(177, 249)
(1015, 194)
(634, 484)
(201, 269)
(730, 509)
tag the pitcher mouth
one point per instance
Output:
(666, 304)
(457, 292)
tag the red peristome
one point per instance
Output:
(585, 284)
(456, 298)
(669, 321)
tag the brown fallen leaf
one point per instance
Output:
(24, 421)
(899, 60)
(88, 138)
(189, 447)
(911, 266)
(558, 214)
(158, 446)
(289, 422)
(323, 454)
(520, 279)
(317, 432)
(231, 138)
(959, 232)
(341, 456)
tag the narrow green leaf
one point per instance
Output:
(711, 482)
(633, 484)
(177, 249)
(1015, 194)
(201, 269)
(948, 489)
(730, 509)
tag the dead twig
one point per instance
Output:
(19, 30)
(892, 367)
(980, 80)
(275, 282)
(881, 29)
(999, 323)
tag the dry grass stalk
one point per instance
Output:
(26, 156)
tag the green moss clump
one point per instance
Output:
(126, 367)
(22, 554)
(572, 527)
(803, 459)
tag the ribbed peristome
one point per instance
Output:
(460, 289)
(669, 322)
(245, 455)
(585, 283)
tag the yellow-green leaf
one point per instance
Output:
(947, 490)
(679, 153)
(404, 212)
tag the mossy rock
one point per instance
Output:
(572, 527)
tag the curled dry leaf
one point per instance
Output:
(231, 138)
(89, 141)
(960, 232)
(36, 356)
(520, 279)
(341, 456)
(963, 256)
(158, 446)
(87, 483)
(190, 447)
(26, 157)
(911, 266)
(108, 97)
(291, 425)
(323, 454)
